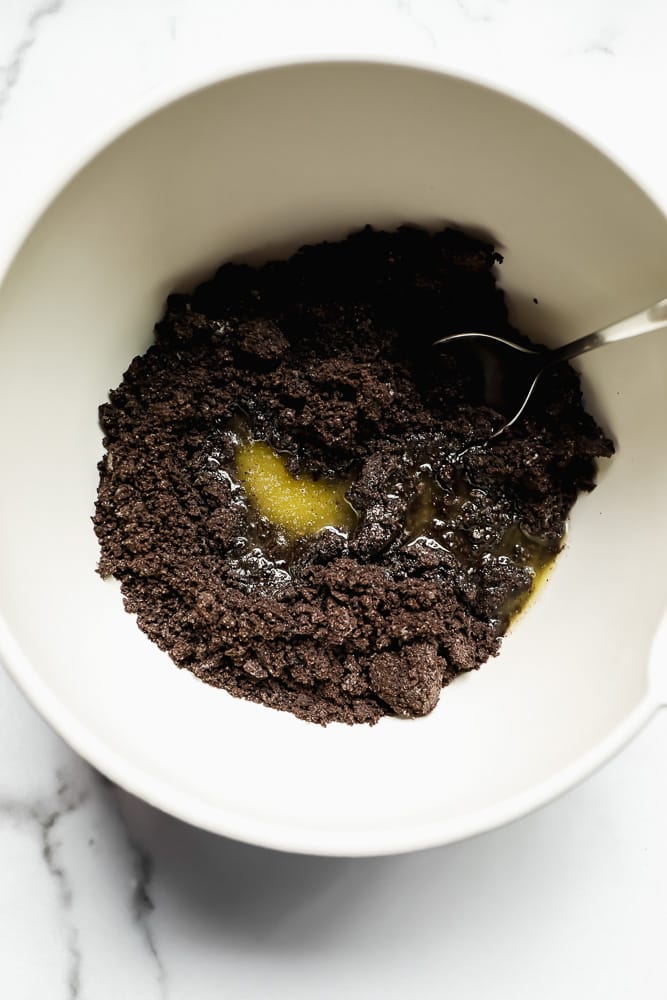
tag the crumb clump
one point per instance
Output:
(327, 357)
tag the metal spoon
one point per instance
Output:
(507, 364)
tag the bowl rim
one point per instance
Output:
(170, 92)
(160, 793)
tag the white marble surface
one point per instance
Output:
(101, 896)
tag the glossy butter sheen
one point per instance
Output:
(299, 505)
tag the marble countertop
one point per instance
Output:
(103, 897)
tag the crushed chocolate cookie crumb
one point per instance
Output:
(327, 359)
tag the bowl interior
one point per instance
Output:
(250, 168)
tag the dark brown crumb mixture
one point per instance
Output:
(328, 357)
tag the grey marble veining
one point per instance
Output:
(44, 815)
(66, 800)
(406, 9)
(143, 906)
(10, 71)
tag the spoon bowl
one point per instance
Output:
(511, 371)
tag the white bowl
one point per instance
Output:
(253, 166)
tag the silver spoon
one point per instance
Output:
(504, 362)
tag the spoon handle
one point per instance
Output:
(646, 321)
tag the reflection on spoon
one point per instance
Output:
(511, 371)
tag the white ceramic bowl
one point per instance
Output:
(253, 166)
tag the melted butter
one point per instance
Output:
(282, 509)
(436, 518)
(537, 556)
(298, 505)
